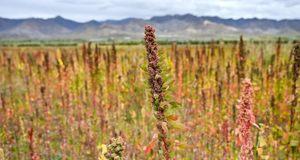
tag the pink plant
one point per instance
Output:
(245, 120)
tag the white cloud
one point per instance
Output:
(85, 10)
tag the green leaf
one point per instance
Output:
(161, 152)
(24, 149)
(174, 103)
(156, 101)
(159, 64)
(145, 82)
(162, 104)
(163, 74)
(294, 143)
(169, 97)
(165, 79)
(168, 113)
(163, 67)
(161, 59)
(171, 88)
(144, 68)
(175, 108)
(167, 70)
(57, 157)
(160, 53)
(171, 154)
(183, 145)
(169, 82)
(178, 126)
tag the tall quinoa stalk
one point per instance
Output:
(114, 61)
(33, 155)
(245, 121)
(212, 48)
(228, 70)
(160, 84)
(177, 59)
(296, 68)
(242, 57)
(278, 50)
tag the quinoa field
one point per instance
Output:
(184, 101)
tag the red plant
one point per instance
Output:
(33, 156)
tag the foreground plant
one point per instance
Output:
(116, 149)
(296, 69)
(160, 84)
(245, 121)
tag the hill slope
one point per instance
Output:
(175, 25)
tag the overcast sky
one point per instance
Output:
(85, 10)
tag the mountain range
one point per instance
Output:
(187, 25)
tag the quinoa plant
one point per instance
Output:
(242, 57)
(33, 155)
(160, 83)
(116, 149)
(296, 69)
(278, 50)
(245, 120)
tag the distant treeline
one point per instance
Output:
(197, 42)
(6, 45)
(39, 45)
(61, 45)
(161, 42)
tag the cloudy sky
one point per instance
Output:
(85, 10)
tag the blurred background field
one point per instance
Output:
(77, 97)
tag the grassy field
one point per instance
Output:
(67, 102)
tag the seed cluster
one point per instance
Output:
(155, 79)
(116, 148)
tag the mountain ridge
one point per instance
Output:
(168, 25)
